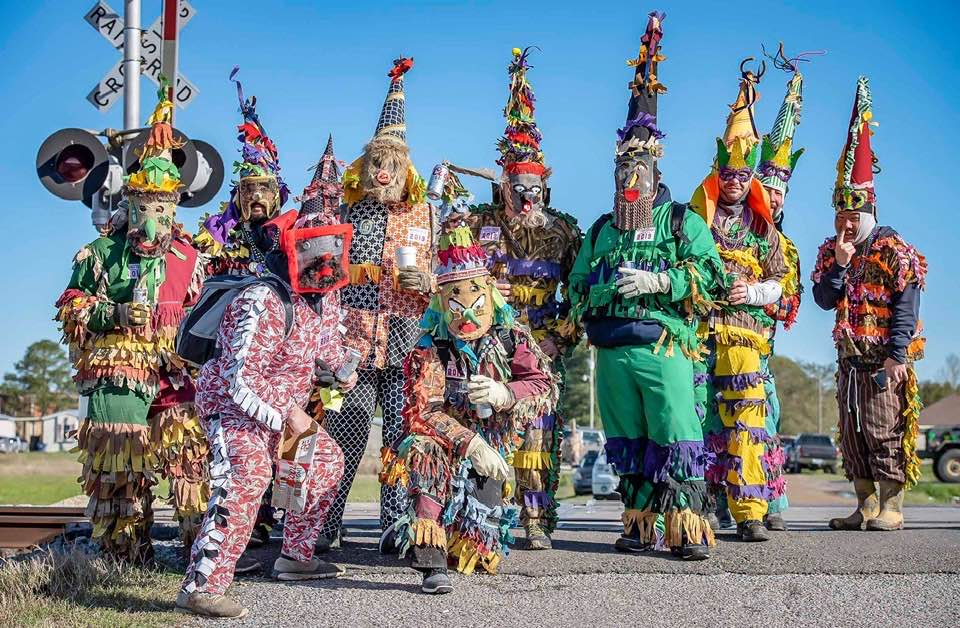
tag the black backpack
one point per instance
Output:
(197, 336)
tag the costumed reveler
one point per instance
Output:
(236, 242)
(119, 314)
(252, 397)
(475, 383)
(644, 272)
(531, 249)
(777, 164)
(393, 223)
(873, 278)
(737, 331)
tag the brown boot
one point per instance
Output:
(209, 605)
(867, 507)
(891, 508)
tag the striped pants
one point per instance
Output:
(872, 424)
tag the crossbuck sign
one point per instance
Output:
(109, 24)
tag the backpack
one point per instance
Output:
(197, 336)
(677, 212)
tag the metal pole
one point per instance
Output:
(592, 364)
(131, 64)
(819, 404)
(168, 58)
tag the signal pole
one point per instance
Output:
(131, 64)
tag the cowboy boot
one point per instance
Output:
(891, 508)
(867, 507)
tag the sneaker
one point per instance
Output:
(287, 569)
(388, 540)
(631, 545)
(325, 544)
(691, 551)
(726, 520)
(752, 531)
(775, 522)
(209, 605)
(537, 538)
(437, 582)
(247, 564)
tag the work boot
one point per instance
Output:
(631, 545)
(537, 537)
(867, 507)
(247, 564)
(209, 605)
(436, 581)
(690, 551)
(891, 508)
(774, 522)
(711, 518)
(325, 543)
(752, 531)
(287, 569)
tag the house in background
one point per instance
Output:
(51, 432)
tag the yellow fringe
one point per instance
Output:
(678, 523)
(532, 460)
(735, 336)
(393, 469)
(791, 281)
(744, 259)
(426, 532)
(911, 417)
(468, 557)
(365, 273)
(643, 521)
(525, 295)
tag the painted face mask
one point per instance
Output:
(635, 176)
(318, 257)
(525, 197)
(468, 306)
(258, 198)
(150, 218)
(385, 168)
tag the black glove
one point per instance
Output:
(324, 375)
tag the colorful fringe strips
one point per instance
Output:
(685, 525)
(911, 417)
(643, 525)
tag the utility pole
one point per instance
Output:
(131, 64)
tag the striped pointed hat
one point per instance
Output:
(392, 124)
(520, 145)
(855, 168)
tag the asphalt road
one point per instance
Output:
(809, 576)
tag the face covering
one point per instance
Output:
(867, 223)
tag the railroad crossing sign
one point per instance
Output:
(109, 24)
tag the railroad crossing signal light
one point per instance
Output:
(208, 179)
(72, 164)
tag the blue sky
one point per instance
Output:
(320, 67)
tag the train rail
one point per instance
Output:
(22, 527)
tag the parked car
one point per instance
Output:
(788, 443)
(604, 479)
(12, 445)
(583, 473)
(593, 440)
(814, 451)
(943, 447)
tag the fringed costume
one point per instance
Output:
(532, 247)
(120, 314)
(643, 274)
(876, 297)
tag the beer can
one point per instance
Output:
(349, 365)
(438, 179)
(139, 294)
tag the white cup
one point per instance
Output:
(406, 256)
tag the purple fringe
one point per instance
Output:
(658, 463)
(545, 422)
(701, 411)
(752, 491)
(538, 269)
(700, 379)
(536, 499)
(739, 382)
(733, 405)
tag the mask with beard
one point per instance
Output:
(636, 180)
(383, 177)
(468, 306)
(525, 197)
(258, 198)
(150, 219)
(317, 257)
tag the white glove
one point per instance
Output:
(764, 293)
(634, 282)
(482, 389)
(486, 460)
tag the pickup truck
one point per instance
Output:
(814, 451)
(943, 447)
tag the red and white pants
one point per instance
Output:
(243, 453)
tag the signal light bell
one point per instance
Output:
(72, 164)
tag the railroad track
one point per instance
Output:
(23, 527)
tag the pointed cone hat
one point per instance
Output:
(776, 159)
(740, 145)
(323, 194)
(392, 124)
(520, 145)
(640, 130)
(855, 168)
(158, 173)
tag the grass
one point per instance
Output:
(929, 490)
(75, 589)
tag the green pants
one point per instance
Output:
(654, 440)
